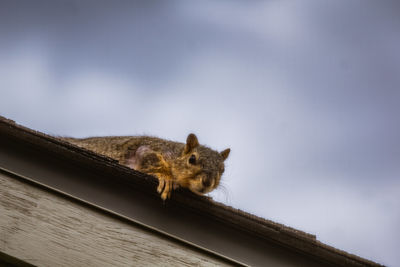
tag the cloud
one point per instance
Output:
(306, 101)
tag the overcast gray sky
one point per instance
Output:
(305, 93)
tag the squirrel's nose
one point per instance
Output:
(206, 181)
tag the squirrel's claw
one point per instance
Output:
(167, 190)
(161, 185)
(164, 188)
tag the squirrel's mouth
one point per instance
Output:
(200, 191)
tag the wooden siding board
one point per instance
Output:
(47, 230)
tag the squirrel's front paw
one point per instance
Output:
(165, 187)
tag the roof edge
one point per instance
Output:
(287, 236)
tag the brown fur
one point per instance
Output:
(189, 165)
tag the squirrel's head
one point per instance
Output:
(199, 168)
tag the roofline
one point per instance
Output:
(278, 233)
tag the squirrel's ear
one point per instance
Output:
(191, 142)
(225, 153)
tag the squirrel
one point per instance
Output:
(174, 164)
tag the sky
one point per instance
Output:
(305, 93)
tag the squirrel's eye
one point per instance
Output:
(192, 159)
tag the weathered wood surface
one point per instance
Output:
(46, 229)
